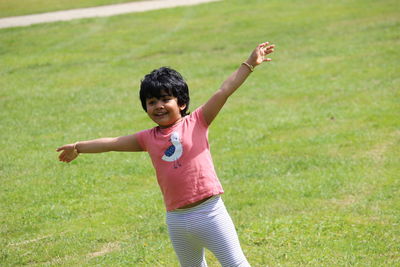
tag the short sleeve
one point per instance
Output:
(141, 138)
(199, 116)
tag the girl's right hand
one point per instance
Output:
(68, 154)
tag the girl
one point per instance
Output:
(179, 150)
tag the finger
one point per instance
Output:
(63, 156)
(263, 44)
(61, 148)
(267, 59)
(269, 51)
(269, 47)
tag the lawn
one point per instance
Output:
(308, 149)
(10, 8)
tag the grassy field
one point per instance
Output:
(25, 7)
(308, 150)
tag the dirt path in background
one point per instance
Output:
(101, 11)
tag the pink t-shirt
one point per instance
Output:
(182, 159)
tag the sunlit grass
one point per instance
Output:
(9, 8)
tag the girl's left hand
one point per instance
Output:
(259, 54)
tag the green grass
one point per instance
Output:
(10, 8)
(307, 150)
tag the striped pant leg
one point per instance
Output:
(189, 251)
(207, 225)
(218, 234)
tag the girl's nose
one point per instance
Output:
(159, 104)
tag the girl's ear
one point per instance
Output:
(182, 107)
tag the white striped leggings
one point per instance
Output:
(207, 225)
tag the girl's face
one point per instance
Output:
(165, 110)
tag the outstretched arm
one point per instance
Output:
(235, 80)
(122, 143)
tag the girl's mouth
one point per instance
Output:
(160, 114)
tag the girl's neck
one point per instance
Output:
(173, 124)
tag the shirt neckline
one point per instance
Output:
(169, 129)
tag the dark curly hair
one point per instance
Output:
(168, 80)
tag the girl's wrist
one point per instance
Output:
(76, 151)
(252, 62)
(248, 65)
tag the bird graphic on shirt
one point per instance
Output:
(174, 152)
